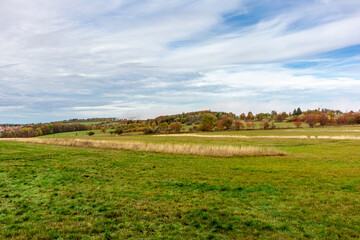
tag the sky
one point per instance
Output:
(64, 59)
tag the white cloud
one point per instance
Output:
(269, 44)
(70, 58)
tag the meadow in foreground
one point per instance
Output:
(92, 193)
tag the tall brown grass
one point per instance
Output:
(339, 137)
(231, 136)
(205, 150)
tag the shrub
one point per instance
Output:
(265, 125)
(310, 119)
(90, 133)
(220, 124)
(148, 131)
(298, 123)
(209, 119)
(118, 131)
(239, 125)
(175, 126)
(163, 126)
(323, 119)
(227, 123)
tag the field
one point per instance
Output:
(65, 192)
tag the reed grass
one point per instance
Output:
(204, 150)
(232, 136)
(339, 137)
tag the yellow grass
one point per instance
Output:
(232, 136)
(205, 150)
(339, 137)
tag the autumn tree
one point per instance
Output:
(265, 125)
(242, 116)
(220, 124)
(227, 123)
(238, 125)
(310, 119)
(118, 131)
(298, 123)
(250, 116)
(208, 122)
(331, 114)
(175, 126)
(281, 117)
(323, 119)
(163, 126)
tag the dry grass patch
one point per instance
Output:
(205, 150)
(339, 137)
(228, 136)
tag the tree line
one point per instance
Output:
(193, 121)
(35, 130)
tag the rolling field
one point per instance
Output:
(65, 192)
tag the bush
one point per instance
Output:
(310, 119)
(207, 127)
(298, 123)
(175, 126)
(238, 125)
(90, 133)
(118, 131)
(148, 131)
(323, 119)
(265, 125)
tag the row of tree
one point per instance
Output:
(35, 130)
(329, 119)
(197, 121)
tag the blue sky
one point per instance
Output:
(66, 59)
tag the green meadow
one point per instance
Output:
(57, 192)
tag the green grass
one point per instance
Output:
(50, 192)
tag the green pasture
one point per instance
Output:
(55, 192)
(138, 136)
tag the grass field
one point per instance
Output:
(50, 192)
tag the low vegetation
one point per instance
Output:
(52, 191)
(201, 121)
(204, 150)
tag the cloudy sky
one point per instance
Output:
(64, 59)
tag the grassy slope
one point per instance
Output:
(52, 191)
